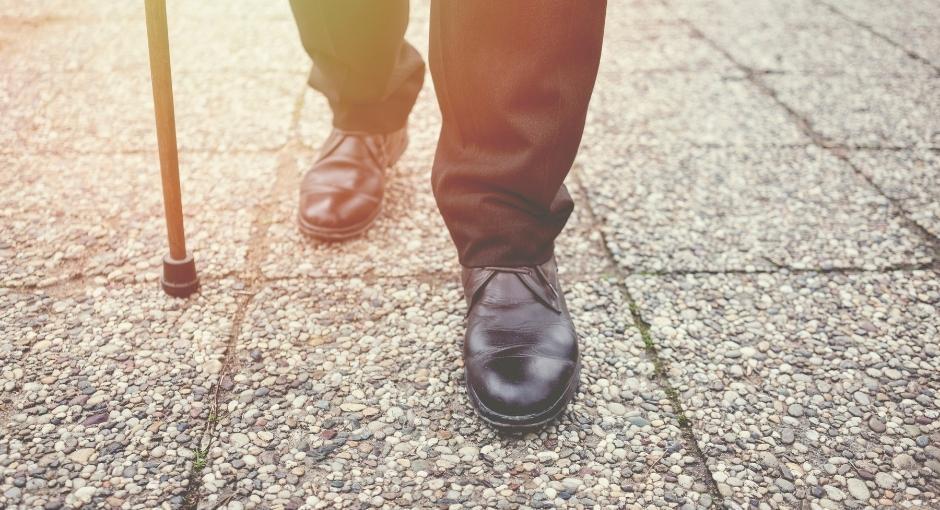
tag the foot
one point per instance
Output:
(342, 193)
(521, 350)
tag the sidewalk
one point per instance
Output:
(753, 266)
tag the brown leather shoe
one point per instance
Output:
(521, 351)
(342, 193)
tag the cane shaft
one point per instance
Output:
(159, 46)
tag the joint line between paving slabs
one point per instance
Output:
(661, 370)
(868, 28)
(253, 280)
(804, 124)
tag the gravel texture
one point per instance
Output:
(106, 393)
(749, 208)
(804, 37)
(99, 217)
(865, 111)
(814, 387)
(349, 393)
(698, 108)
(912, 178)
(909, 26)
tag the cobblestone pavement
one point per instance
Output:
(753, 267)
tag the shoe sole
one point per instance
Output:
(531, 422)
(343, 234)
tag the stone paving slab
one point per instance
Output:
(102, 112)
(57, 38)
(740, 208)
(243, 47)
(109, 395)
(68, 9)
(247, 10)
(349, 393)
(809, 33)
(910, 25)
(21, 315)
(923, 41)
(866, 111)
(825, 45)
(813, 388)
(24, 93)
(101, 216)
(639, 47)
(638, 13)
(754, 13)
(177, 10)
(914, 13)
(684, 108)
(911, 177)
(86, 39)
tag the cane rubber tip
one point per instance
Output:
(179, 276)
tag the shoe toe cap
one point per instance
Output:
(517, 387)
(336, 210)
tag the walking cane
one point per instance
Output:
(179, 269)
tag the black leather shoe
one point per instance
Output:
(342, 193)
(521, 350)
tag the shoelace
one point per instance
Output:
(522, 272)
(525, 270)
(379, 154)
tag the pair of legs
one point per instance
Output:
(513, 80)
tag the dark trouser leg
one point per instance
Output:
(513, 78)
(361, 61)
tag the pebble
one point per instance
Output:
(468, 453)
(82, 455)
(617, 409)
(571, 484)
(834, 493)
(885, 480)
(933, 465)
(768, 460)
(96, 419)
(85, 494)
(858, 489)
(903, 461)
(239, 440)
(785, 485)
(638, 421)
